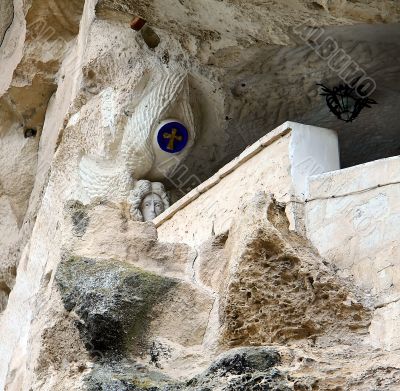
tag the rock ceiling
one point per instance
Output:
(252, 72)
(249, 70)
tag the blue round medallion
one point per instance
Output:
(173, 137)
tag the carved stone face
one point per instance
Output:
(151, 207)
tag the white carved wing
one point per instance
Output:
(104, 179)
(136, 143)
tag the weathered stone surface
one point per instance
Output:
(6, 18)
(123, 376)
(113, 300)
(75, 72)
(244, 360)
(242, 369)
(245, 369)
(131, 328)
(30, 57)
(280, 290)
(352, 218)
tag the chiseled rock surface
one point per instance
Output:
(125, 325)
(255, 22)
(73, 70)
(112, 299)
(280, 289)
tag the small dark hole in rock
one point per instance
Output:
(165, 57)
(4, 288)
(47, 278)
(82, 367)
(91, 74)
(30, 133)
(316, 5)
(150, 37)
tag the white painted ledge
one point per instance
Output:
(378, 173)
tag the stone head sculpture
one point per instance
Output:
(148, 200)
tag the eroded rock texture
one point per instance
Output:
(158, 317)
(34, 39)
(281, 290)
(6, 18)
(92, 300)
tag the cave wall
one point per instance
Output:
(58, 62)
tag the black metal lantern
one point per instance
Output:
(346, 101)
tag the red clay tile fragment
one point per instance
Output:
(137, 23)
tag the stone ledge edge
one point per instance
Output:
(323, 179)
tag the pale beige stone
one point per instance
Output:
(55, 82)
(352, 219)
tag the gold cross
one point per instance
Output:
(172, 137)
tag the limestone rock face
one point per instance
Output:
(112, 300)
(280, 281)
(6, 18)
(123, 311)
(90, 299)
(32, 49)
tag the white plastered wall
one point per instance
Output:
(353, 219)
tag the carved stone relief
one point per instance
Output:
(148, 200)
